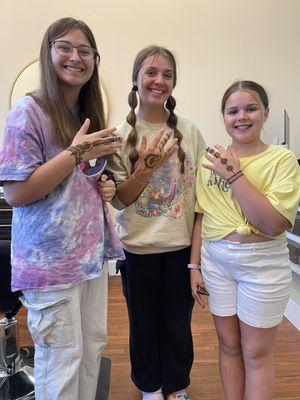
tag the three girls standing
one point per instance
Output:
(62, 232)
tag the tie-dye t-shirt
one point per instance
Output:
(64, 238)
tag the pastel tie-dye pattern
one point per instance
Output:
(64, 238)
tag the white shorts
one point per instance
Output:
(251, 280)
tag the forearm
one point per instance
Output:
(196, 241)
(41, 182)
(258, 209)
(129, 190)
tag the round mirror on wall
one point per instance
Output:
(27, 80)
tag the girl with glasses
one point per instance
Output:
(62, 232)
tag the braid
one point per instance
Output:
(131, 119)
(172, 123)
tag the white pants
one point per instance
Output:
(69, 329)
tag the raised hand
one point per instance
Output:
(87, 147)
(154, 154)
(223, 161)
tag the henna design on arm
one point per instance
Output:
(79, 150)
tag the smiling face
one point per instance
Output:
(155, 82)
(244, 116)
(72, 70)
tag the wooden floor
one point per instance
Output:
(205, 376)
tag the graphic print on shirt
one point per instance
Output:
(216, 180)
(167, 189)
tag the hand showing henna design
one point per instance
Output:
(87, 147)
(154, 154)
(223, 161)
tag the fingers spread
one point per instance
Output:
(221, 149)
(172, 145)
(157, 138)
(84, 127)
(143, 144)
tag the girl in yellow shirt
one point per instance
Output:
(247, 197)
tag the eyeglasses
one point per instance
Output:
(63, 49)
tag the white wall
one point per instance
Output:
(215, 41)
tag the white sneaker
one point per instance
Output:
(181, 395)
(153, 395)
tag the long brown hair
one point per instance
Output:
(50, 96)
(170, 103)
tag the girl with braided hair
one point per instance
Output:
(155, 172)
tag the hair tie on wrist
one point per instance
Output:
(194, 266)
(134, 88)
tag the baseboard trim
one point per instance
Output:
(292, 313)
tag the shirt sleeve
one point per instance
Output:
(199, 186)
(21, 153)
(119, 163)
(284, 190)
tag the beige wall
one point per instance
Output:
(215, 42)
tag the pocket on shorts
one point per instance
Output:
(49, 319)
(273, 266)
(209, 256)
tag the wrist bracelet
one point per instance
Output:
(234, 177)
(237, 177)
(139, 180)
(194, 266)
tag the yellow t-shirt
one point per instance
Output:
(275, 173)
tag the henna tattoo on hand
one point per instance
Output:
(79, 150)
(109, 139)
(223, 160)
(151, 159)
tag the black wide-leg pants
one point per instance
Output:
(158, 295)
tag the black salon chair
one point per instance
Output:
(16, 375)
